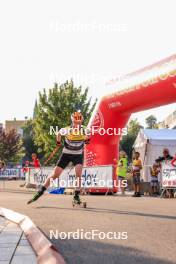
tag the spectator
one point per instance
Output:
(154, 171)
(2, 165)
(136, 168)
(166, 156)
(25, 169)
(122, 170)
(35, 161)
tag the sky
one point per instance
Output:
(90, 41)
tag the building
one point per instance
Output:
(15, 124)
(169, 121)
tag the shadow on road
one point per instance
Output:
(91, 251)
(98, 210)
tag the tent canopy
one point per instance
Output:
(160, 136)
(150, 144)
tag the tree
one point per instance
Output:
(10, 146)
(28, 140)
(54, 108)
(35, 109)
(128, 140)
(151, 121)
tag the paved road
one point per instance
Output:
(149, 222)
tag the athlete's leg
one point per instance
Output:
(78, 171)
(56, 173)
(61, 164)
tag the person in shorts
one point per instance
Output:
(74, 140)
(154, 171)
(136, 168)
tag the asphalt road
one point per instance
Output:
(149, 222)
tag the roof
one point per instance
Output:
(160, 134)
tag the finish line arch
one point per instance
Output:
(150, 87)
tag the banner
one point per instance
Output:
(168, 175)
(38, 176)
(98, 177)
(10, 173)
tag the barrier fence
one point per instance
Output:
(92, 177)
(97, 178)
(16, 173)
(168, 175)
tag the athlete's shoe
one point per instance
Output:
(135, 194)
(138, 194)
(76, 198)
(37, 195)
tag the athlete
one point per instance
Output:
(74, 140)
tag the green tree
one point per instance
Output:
(10, 146)
(151, 121)
(28, 140)
(54, 109)
(128, 140)
(35, 109)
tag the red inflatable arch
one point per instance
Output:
(150, 87)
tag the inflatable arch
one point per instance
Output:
(150, 87)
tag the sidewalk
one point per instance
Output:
(14, 246)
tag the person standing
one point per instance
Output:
(154, 171)
(166, 157)
(2, 165)
(121, 171)
(35, 161)
(136, 171)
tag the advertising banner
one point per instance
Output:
(98, 177)
(168, 175)
(10, 173)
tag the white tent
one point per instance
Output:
(150, 144)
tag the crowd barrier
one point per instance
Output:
(168, 175)
(11, 173)
(95, 179)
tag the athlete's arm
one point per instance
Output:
(62, 132)
(87, 140)
(58, 139)
(88, 135)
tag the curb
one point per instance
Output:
(44, 249)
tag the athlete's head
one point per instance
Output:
(77, 118)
